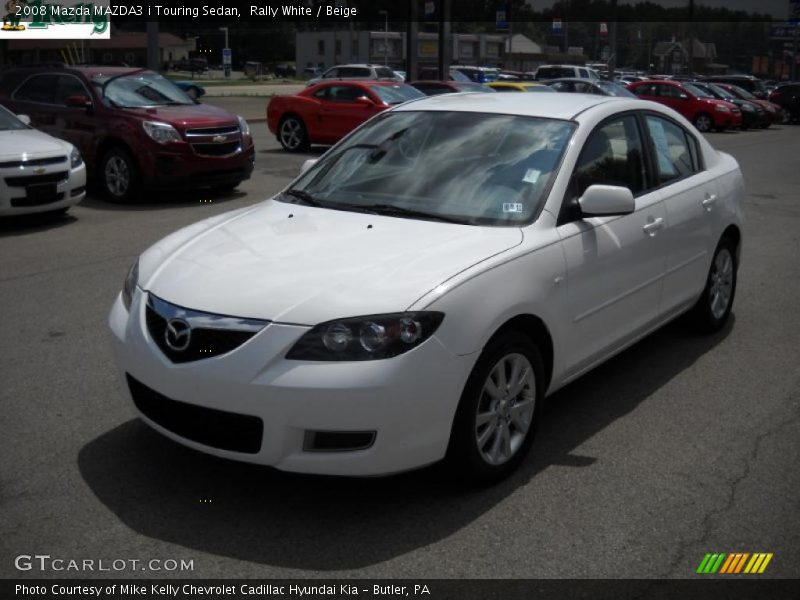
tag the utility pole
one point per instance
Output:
(612, 34)
(445, 49)
(412, 38)
(153, 51)
(385, 14)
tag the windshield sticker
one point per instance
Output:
(531, 176)
(512, 207)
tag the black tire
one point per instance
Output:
(713, 308)
(466, 457)
(704, 122)
(292, 134)
(119, 175)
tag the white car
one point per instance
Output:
(415, 294)
(38, 173)
(355, 72)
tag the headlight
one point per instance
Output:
(161, 132)
(720, 108)
(366, 338)
(748, 108)
(243, 126)
(129, 287)
(75, 158)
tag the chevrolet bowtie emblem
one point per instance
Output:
(39, 170)
(218, 139)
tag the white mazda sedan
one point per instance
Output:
(416, 293)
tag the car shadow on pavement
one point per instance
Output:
(168, 492)
(164, 200)
(24, 224)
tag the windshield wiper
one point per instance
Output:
(399, 211)
(306, 198)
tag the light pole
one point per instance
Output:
(226, 55)
(385, 36)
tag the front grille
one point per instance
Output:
(210, 335)
(230, 130)
(208, 426)
(22, 202)
(225, 149)
(38, 162)
(27, 180)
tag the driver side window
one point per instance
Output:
(612, 155)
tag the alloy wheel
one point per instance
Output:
(703, 123)
(117, 175)
(505, 409)
(292, 134)
(721, 279)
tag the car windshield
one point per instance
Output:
(470, 168)
(396, 94)
(9, 121)
(614, 89)
(742, 93)
(142, 88)
(538, 88)
(696, 91)
(456, 75)
(721, 92)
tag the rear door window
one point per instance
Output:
(673, 148)
(345, 93)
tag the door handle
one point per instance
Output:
(653, 226)
(709, 202)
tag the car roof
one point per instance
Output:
(554, 106)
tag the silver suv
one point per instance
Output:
(357, 72)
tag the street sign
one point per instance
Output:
(430, 9)
(227, 61)
(556, 24)
(501, 18)
(604, 29)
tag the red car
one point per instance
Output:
(699, 107)
(324, 113)
(135, 129)
(774, 111)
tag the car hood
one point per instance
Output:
(30, 144)
(304, 265)
(190, 115)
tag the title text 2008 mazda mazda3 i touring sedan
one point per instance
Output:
(416, 293)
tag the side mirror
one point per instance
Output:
(25, 119)
(606, 200)
(79, 101)
(308, 164)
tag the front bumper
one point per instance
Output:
(181, 167)
(408, 401)
(15, 183)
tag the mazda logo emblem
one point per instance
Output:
(178, 335)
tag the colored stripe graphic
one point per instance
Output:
(734, 563)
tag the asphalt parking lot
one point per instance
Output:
(680, 446)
